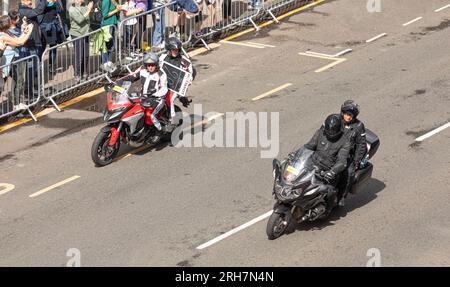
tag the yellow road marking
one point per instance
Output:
(50, 110)
(272, 21)
(243, 44)
(54, 186)
(203, 50)
(6, 187)
(271, 92)
(336, 62)
(239, 34)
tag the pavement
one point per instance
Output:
(156, 206)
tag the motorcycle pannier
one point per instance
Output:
(362, 178)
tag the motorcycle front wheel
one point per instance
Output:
(101, 152)
(277, 224)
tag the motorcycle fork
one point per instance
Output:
(115, 134)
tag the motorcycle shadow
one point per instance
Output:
(167, 142)
(353, 202)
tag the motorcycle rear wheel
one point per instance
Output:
(276, 225)
(101, 152)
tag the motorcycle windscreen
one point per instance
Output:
(297, 169)
(119, 99)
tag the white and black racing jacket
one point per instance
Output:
(154, 82)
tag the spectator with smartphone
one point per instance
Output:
(34, 45)
(10, 53)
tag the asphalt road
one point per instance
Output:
(155, 207)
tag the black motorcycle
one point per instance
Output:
(302, 193)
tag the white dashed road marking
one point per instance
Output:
(412, 21)
(235, 230)
(55, 185)
(433, 132)
(376, 37)
(440, 9)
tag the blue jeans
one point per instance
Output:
(254, 2)
(107, 57)
(188, 5)
(158, 28)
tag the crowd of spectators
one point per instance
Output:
(37, 25)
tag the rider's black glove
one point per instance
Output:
(185, 101)
(329, 175)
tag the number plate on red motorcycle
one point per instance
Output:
(118, 89)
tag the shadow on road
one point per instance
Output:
(353, 202)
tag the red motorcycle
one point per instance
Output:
(128, 118)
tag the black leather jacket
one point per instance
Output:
(329, 155)
(34, 16)
(356, 132)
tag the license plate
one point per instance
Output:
(293, 170)
(118, 89)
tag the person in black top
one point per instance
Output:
(52, 31)
(356, 132)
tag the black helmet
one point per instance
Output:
(333, 127)
(350, 107)
(173, 43)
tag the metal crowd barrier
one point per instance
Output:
(223, 15)
(77, 62)
(146, 31)
(20, 86)
(278, 7)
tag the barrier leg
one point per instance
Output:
(31, 114)
(184, 52)
(254, 25)
(273, 16)
(204, 44)
(54, 104)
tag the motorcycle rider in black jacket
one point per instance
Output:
(355, 131)
(331, 150)
(174, 57)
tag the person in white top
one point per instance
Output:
(154, 85)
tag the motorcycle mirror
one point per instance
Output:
(276, 167)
